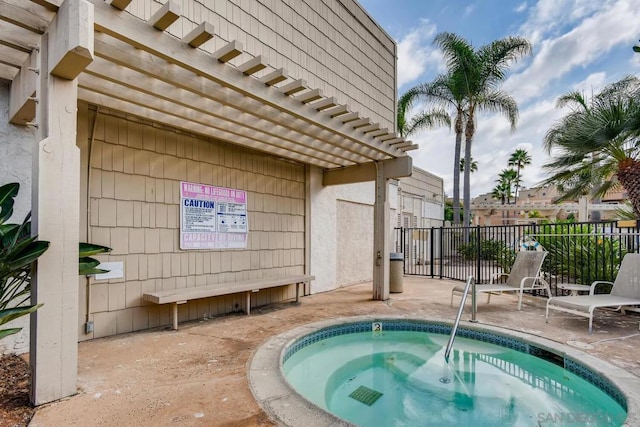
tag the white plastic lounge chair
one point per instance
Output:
(525, 275)
(624, 292)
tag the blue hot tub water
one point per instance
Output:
(400, 378)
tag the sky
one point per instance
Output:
(577, 45)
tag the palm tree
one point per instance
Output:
(500, 192)
(519, 159)
(509, 179)
(446, 92)
(598, 145)
(408, 126)
(477, 75)
(474, 165)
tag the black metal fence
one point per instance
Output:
(578, 252)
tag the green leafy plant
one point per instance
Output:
(578, 253)
(18, 249)
(89, 265)
(488, 250)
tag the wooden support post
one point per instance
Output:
(248, 302)
(55, 206)
(381, 234)
(174, 315)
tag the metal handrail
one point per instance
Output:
(457, 322)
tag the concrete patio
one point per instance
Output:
(197, 375)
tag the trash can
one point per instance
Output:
(396, 271)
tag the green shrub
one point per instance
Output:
(17, 251)
(489, 250)
(577, 254)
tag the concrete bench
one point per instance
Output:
(181, 296)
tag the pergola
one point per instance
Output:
(56, 53)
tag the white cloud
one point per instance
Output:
(521, 7)
(493, 144)
(548, 16)
(416, 53)
(469, 9)
(592, 84)
(584, 44)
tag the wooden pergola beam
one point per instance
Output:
(310, 96)
(371, 128)
(8, 72)
(121, 82)
(399, 167)
(349, 117)
(409, 147)
(179, 123)
(394, 141)
(253, 65)
(199, 35)
(30, 16)
(52, 5)
(378, 133)
(22, 101)
(165, 16)
(293, 87)
(337, 111)
(360, 123)
(229, 51)
(18, 37)
(120, 4)
(274, 77)
(325, 104)
(126, 28)
(130, 58)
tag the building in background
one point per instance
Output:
(538, 204)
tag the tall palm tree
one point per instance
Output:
(598, 147)
(477, 74)
(474, 165)
(519, 159)
(500, 192)
(422, 120)
(447, 92)
(509, 179)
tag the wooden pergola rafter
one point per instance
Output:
(141, 70)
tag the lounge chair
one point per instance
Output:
(624, 292)
(525, 275)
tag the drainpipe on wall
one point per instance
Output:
(88, 325)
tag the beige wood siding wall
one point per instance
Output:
(333, 44)
(136, 167)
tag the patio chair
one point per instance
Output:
(625, 291)
(525, 275)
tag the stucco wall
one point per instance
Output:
(355, 242)
(16, 143)
(136, 168)
(332, 44)
(346, 212)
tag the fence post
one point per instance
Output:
(441, 239)
(403, 249)
(432, 256)
(479, 247)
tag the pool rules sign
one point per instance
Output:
(212, 217)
